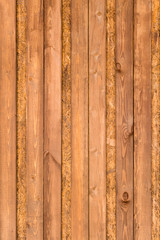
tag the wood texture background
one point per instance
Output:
(52, 119)
(142, 120)
(80, 119)
(124, 119)
(97, 116)
(8, 120)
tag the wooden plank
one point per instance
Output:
(66, 120)
(34, 120)
(52, 121)
(79, 128)
(110, 122)
(142, 119)
(155, 120)
(124, 118)
(97, 120)
(21, 119)
(8, 120)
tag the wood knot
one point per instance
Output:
(99, 14)
(118, 67)
(125, 197)
(92, 191)
(131, 130)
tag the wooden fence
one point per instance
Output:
(80, 119)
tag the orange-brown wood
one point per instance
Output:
(142, 120)
(124, 118)
(65, 97)
(110, 122)
(66, 120)
(21, 118)
(79, 128)
(97, 120)
(155, 120)
(34, 120)
(52, 121)
(8, 120)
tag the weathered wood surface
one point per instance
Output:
(34, 121)
(79, 128)
(52, 120)
(97, 123)
(66, 120)
(155, 119)
(142, 120)
(110, 122)
(21, 119)
(124, 118)
(8, 120)
(66, 89)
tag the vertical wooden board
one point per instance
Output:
(66, 120)
(34, 120)
(79, 128)
(124, 118)
(21, 119)
(8, 120)
(155, 120)
(97, 124)
(52, 121)
(110, 121)
(142, 120)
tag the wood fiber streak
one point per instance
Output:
(110, 122)
(34, 120)
(66, 120)
(79, 128)
(124, 118)
(52, 121)
(21, 120)
(142, 120)
(97, 119)
(8, 120)
(155, 119)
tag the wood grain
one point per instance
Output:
(52, 121)
(124, 118)
(87, 86)
(66, 120)
(110, 122)
(155, 120)
(97, 124)
(79, 128)
(21, 119)
(142, 120)
(34, 120)
(8, 120)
